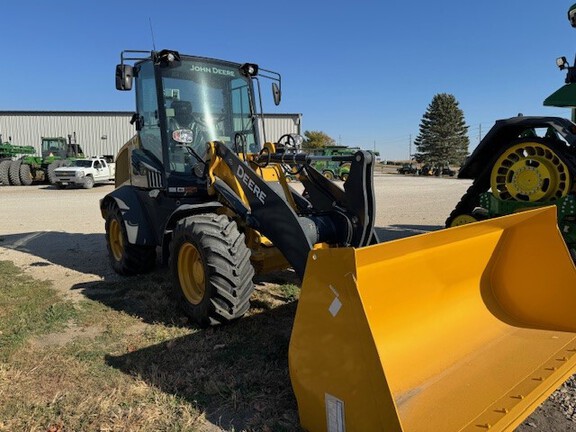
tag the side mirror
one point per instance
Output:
(124, 75)
(277, 93)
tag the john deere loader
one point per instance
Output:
(475, 343)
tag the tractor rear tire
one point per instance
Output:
(4, 170)
(211, 269)
(126, 259)
(26, 175)
(50, 174)
(14, 173)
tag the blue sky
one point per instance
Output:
(363, 72)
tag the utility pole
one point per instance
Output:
(410, 147)
(480, 132)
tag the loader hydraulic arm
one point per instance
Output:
(327, 214)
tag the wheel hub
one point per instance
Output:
(530, 171)
(527, 180)
(191, 273)
(116, 240)
(463, 219)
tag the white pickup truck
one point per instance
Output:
(85, 173)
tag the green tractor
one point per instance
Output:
(526, 162)
(331, 167)
(56, 152)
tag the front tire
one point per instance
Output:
(88, 182)
(211, 269)
(328, 174)
(125, 258)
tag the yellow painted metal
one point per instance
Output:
(265, 256)
(191, 273)
(455, 330)
(463, 220)
(530, 171)
(116, 239)
(123, 163)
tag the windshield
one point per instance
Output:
(52, 144)
(82, 163)
(211, 99)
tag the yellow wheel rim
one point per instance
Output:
(191, 273)
(463, 220)
(116, 239)
(530, 172)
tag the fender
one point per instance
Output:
(136, 221)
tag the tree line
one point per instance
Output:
(442, 138)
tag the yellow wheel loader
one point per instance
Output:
(475, 343)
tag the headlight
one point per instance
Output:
(80, 174)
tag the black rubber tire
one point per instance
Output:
(227, 270)
(88, 182)
(129, 259)
(14, 173)
(26, 175)
(4, 170)
(50, 174)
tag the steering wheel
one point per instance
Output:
(290, 141)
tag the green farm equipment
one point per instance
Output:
(9, 152)
(526, 162)
(329, 165)
(56, 152)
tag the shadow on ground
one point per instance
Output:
(236, 374)
(85, 253)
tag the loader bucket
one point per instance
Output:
(464, 329)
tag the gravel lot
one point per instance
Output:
(59, 235)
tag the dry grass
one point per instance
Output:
(126, 360)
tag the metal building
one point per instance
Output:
(102, 132)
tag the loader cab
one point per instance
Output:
(185, 102)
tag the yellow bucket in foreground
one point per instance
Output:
(464, 329)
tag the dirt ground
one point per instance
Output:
(58, 235)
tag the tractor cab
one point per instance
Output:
(182, 104)
(56, 148)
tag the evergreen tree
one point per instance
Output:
(443, 136)
(317, 139)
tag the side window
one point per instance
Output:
(241, 118)
(147, 103)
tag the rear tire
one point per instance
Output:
(126, 259)
(14, 173)
(26, 175)
(50, 174)
(4, 170)
(211, 269)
